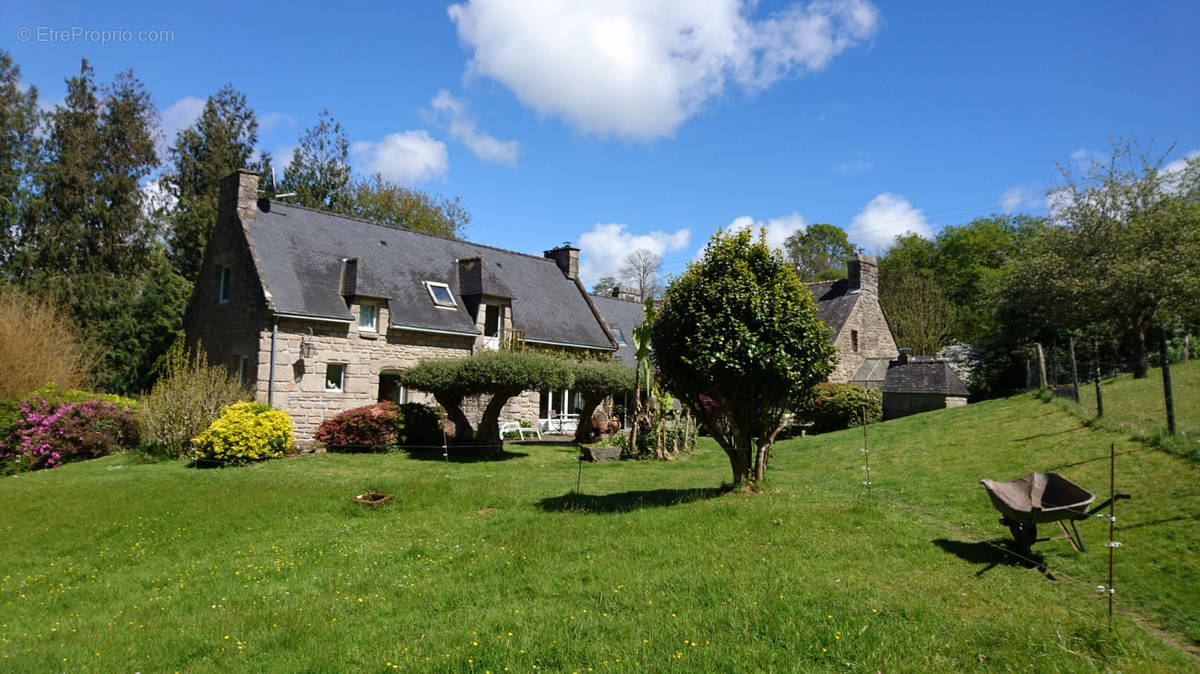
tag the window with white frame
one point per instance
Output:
(620, 336)
(493, 320)
(335, 377)
(440, 292)
(223, 274)
(243, 369)
(366, 317)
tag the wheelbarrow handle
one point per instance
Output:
(1102, 506)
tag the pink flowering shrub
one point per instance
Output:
(372, 426)
(50, 433)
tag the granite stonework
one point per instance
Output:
(864, 333)
(243, 330)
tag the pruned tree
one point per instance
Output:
(596, 380)
(819, 251)
(740, 328)
(498, 374)
(641, 269)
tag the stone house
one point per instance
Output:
(920, 385)
(318, 313)
(850, 308)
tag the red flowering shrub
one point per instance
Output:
(375, 425)
(50, 433)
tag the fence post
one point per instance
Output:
(1166, 375)
(1096, 364)
(1074, 371)
(1041, 362)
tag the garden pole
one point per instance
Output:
(1112, 523)
(1166, 374)
(867, 459)
(1096, 363)
(579, 477)
(1074, 371)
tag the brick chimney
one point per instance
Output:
(239, 195)
(862, 271)
(567, 258)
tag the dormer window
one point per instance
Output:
(366, 318)
(440, 292)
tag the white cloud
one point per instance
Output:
(462, 128)
(271, 120)
(778, 229)
(179, 116)
(407, 158)
(155, 196)
(603, 248)
(883, 219)
(1176, 167)
(1021, 196)
(638, 69)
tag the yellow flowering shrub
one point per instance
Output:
(244, 432)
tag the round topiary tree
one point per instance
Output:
(595, 380)
(740, 328)
(500, 374)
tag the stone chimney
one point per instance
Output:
(902, 359)
(862, 271)
(239, 195)
(566, 257)
(625, 293)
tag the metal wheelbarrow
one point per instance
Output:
(1042, 498)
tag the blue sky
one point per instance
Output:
(625, 124)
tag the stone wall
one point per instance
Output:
(229, 330)
(903, 404)
(874, 337)
(300, 382)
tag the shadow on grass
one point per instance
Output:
(1072, 429)
(991, 554)
(627, 500)
(463, 454)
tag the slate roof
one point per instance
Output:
(624, 315)
(931, 376)
(302, 252)
(835, 301)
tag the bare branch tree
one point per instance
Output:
(641, 269)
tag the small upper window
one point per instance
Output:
(854, 341)
(440, 292)
(619, 335)
(223, 284)
(366, 317)
(335, 376)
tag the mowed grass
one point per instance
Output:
(116, 565)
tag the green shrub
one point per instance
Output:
(185, 400)
(48, 433)
(377, 425)
(834, 407)
(422, 426)
(244, 432)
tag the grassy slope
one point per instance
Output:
(115, 565)
(1138, 404)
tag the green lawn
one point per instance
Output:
(1139, 404)
(117, 565)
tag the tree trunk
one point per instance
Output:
(1139, 353)
(1168, 398)
(488, 434)
(584, 429)
(739, 460)
(1041, 364)
(462, 427)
